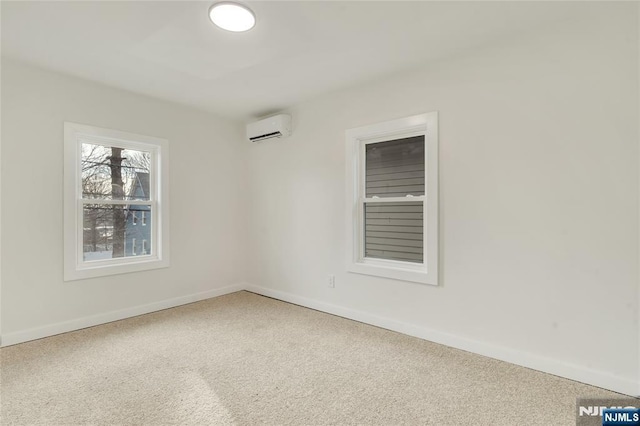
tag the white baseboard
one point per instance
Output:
(536, 362)
(558, 368)
(93, 320)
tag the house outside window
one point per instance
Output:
(136, 213)
(392, 199)
(111, 178)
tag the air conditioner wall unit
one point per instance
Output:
(278, 126)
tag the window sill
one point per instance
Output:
(416, 275)
(103, 270)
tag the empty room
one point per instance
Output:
(319, 213)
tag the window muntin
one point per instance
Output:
(111, 179)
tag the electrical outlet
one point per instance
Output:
(331, 282)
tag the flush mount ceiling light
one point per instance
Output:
(232, 16)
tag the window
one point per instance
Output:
(144, 219)
(392, 191)
(144, 246)
(111, 176)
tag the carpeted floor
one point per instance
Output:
(244, 359)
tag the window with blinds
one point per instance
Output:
(393, 204)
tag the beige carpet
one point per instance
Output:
(244, 359)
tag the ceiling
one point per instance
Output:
(297, 50)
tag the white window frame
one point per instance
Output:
(133, 246)
(143, 219)
(75, 268)
(356, 140)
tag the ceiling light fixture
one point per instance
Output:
(232, 16)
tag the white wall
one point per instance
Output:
(207, 172)
(539, 201)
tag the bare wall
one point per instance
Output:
(207, 216)
(538, 200)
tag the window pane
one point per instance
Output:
(394, 231)
(110, 232)
(395, 168)
(112, 173)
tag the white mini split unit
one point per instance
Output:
(278, 126)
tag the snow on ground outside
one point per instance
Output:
(97, 255)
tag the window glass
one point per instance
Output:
(395, 168)
(394, 231)
(112, 173)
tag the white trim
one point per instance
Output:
(356, 139)
(547, 365)
(106, 202)
(0, 231)
(75, 267)
(126, 260)
(638, 164)
(413, 199)
(388, 134)
(399, 272)
(110, 137)
(103, 318)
